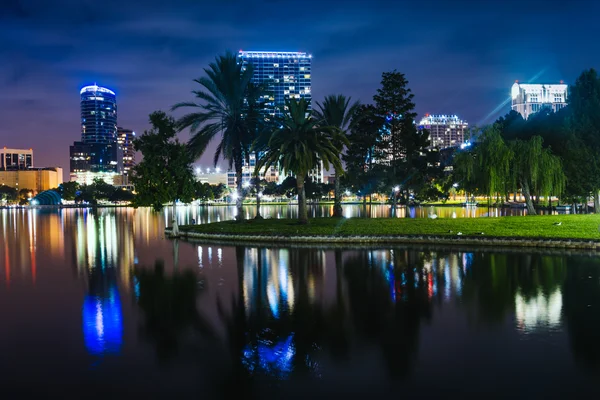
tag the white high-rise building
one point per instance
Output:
(527, 99)
(444, 130)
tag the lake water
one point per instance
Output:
(206, 214)
(98, 304)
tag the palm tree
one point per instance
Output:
(337, 111)
(297, 146)
(225, 97)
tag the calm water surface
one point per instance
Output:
(99, 303)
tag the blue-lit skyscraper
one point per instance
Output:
(288, 74)
(97, 155)
(98, 115)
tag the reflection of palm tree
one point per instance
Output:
(581, 294)
(336, 321)
(169, 307)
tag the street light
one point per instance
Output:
(396, 188)
(218, 169)
(347, 193)
(208, 170)
(455, 185)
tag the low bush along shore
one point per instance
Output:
(543, 227)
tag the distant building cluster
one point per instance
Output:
(105, 150)
(527, 99)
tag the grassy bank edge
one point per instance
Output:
(574, 231)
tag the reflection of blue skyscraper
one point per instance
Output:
(103, 323)
(274, 359)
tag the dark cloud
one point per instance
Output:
(459, 56)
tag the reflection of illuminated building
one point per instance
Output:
(103, 322)
(539, 310)
(101, 242)
(275, 359)
(442, 274)
(276, 284)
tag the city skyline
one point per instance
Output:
(156, 54)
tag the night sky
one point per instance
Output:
(460, 57)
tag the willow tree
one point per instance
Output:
(494, 158)
(536, 169)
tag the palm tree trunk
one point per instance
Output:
(337, 202)
(239, 201)
(257, 187)
(175, 226)
(302, 211)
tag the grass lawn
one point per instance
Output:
(572, 227)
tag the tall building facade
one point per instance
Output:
(16, 159)
(287, 76)
(98, 115)
(125, 140)
(444, 130)
(527, 99)
(98, 154)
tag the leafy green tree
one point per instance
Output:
(24, 196)
(337, 111)
(361, 152)
(299, 144)
(165, 173)
(8, 194)
(583, 124)
(102, 190)
(121, 195)
(494, 160)
(68, 190)
(204, 192)
(536, 168)
(223, 108)
(401, 143)
(219, 190)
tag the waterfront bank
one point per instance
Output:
(561, 231)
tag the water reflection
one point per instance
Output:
(290, 319)
(205, 214)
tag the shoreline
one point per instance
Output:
(551, 231)
(488, 241)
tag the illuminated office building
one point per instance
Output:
(444, 130)
(98, 115)
(527, 99)
(13, 159)
(287, 76)
(125, 139)
(98, 154)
